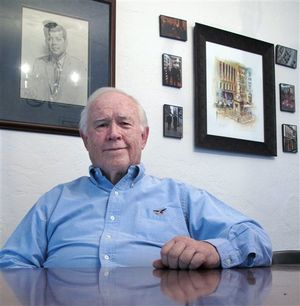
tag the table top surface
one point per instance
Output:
(278, 285)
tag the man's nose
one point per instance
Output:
(114, 132)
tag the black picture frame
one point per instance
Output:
(287, 98)
(17, 113)
(286, 56)
(172, 121)
(289, 138)
(174, 28)
(206, 37)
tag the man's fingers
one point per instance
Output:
(157, 264)
(187, 253)
(186, 257)
(197, 261)
(170, 257)
(165, 251)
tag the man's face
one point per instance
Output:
(56, 43)
(115, 137)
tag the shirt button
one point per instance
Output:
(106, 257)
(116, 193)
(108, 236)
(228, 261)
(112, 218)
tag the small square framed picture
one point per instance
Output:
(289, 138)
(286, 56)
(172, 121)
(287, 97)
(171, 27)
(171, 70)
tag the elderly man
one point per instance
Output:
(120, 216)
(57, 76)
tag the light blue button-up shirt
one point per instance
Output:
(90, 222)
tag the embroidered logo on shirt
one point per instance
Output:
(159, 212)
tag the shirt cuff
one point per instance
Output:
(229, 255)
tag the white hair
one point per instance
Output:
(83, 123)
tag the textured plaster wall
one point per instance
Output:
(265, 188)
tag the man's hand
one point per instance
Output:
(187, 253)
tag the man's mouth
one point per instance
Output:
(114, 149)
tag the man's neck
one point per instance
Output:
(58, 58)
(115, 176)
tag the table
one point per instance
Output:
(278, 285)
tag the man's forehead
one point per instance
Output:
(55, 33)
(117, 105)
(114, 101)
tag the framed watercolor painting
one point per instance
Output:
(234, 92)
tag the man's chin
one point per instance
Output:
(56, 53)
(117, 165)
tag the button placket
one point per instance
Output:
(106, 247)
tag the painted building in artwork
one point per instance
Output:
(234, 92)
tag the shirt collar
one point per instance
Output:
(133, 175)
(60, 62)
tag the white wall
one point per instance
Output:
(265, 188)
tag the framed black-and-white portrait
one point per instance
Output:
(172, 121)
(171, 70)
(55, 54)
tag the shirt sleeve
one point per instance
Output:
(239, 240)
(27, 246)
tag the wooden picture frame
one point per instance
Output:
(234, 92)
(40, 113)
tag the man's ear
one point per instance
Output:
(84, 139)
(145, 135)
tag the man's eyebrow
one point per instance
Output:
(125, 118)
(108, 119)
(101, 120)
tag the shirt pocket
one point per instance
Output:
(162, 222)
